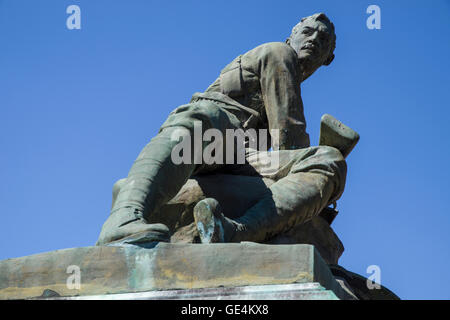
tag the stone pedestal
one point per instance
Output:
(294, 291)
(174, 271)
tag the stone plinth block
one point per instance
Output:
(293, 291)
(116, 270)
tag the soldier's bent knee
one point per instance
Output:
(208, 115)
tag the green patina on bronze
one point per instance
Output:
(260, 89)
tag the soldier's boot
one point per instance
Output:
(212, 225)
(129, 227)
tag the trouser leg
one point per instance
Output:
(316, 178)
(116, 188)
(154, 177)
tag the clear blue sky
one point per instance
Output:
(77, 106)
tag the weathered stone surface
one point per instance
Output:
(296, 291)
(111, 270)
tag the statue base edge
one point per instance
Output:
(174, 271)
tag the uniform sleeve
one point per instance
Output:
(280, 87)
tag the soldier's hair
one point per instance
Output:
(323, 18)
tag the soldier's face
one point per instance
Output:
(312, 43)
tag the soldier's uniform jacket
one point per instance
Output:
(264, 84)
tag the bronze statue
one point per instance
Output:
(258, 90)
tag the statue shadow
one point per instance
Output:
(236, 188)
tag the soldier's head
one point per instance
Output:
(314, 40)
